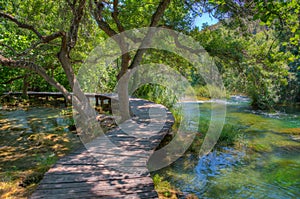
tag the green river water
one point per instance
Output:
(264, 162)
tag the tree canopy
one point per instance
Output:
(255, 44)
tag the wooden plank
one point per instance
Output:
(98, 189)
(96, 195)
(88, 177)
(120, 183)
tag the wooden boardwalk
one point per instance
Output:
(103, 100)
(116, 169)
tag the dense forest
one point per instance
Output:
(255, 44)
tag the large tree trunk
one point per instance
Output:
(123, 80)
(123, 105)
(123, 76)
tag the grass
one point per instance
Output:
(23, 167)
(208, 91)
(231, 135)
(164, 188)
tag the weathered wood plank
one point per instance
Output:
(114, 168)
(88, 177)
(96, 195)
(132, 183)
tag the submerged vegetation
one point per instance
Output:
(164, 188)
(32, 140)
(250, 159)
(34, 135)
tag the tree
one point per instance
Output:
(257, 45)
(53, 43)
(109, 16)
(40, 37)
(53, 39)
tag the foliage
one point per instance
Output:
(283, 16)
(252, 64)
(163, 187)
(156, 93)
(256, 49)
(229, 135)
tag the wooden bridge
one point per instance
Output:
(103, 100)
(115, 169)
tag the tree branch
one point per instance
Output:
(20, 24)
(115, 14)
(103, 25)
(44, 39)
(179, 45)
(97, 13)
(78, 14)
(13, 79)
(9, 47)
(159, 12)
(39, 70)
(147, 40)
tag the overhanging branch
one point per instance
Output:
(20, 24)
(37, 69)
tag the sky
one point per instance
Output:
(205, 18)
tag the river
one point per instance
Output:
(264, 162)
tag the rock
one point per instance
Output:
(296, 138)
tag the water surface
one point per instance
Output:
(263, 163)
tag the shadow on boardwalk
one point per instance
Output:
(116, 169)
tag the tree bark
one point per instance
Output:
(124, 97)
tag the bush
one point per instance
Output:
(209, 91)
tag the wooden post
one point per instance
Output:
(101, 102)
(97, 100)
(109, 106)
